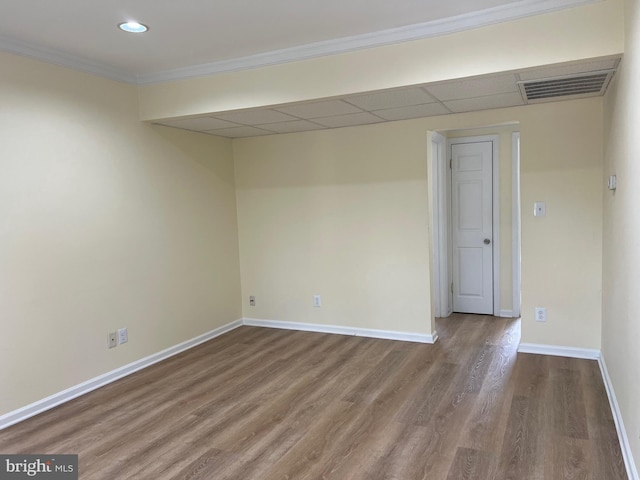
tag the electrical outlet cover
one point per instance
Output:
(112, 340)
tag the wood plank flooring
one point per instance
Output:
(270, 404)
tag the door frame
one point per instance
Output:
(516, 234)
(441, 206)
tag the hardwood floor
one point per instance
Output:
(270, 404)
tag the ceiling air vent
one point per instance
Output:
(588, 84)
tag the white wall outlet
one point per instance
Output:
(123, 336)
(539, 209)
(112, 340)
(317, 301)
(541, 314)
(252, 301)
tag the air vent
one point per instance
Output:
(589, 84)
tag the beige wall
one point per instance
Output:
(562, 253)
(106, 222)
(109, 222)
(342, 213)
(621, 262)
(584, 32)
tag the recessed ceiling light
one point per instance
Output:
(133, 27)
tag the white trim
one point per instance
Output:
(496, 223)
(571, 352)
(458, 23)
(506, 314)
(495, 168)
(433, 159)
(515, 224)
(340, 330)
(62, 59)
(64, 396)
(627, 454)
(440, 231)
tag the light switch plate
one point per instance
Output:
(123, 336)
(539, 209)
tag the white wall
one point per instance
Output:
(621, 259)
(106, 222)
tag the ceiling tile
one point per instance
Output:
(319, 109)
(255, 117)
(485, 103)
(295, 126)
(391, 99)
(348, 120)
(238, 132)
(461, 95)
(199, 124)
(413, 111)
(568, 69)
(474, 87)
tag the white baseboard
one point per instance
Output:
(627, 455)
(56, 399)
(506, 313)
(52, 401)
(556, 351)
(340, 330)
(64, 396)
(572, 352)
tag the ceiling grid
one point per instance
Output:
(456, 96)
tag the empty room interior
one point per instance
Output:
(355, 240)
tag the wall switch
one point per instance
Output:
(541, 314)
(539, 209)
(317, 301)
(112, 341)
(123, 336)
(613, 182)
(252, 301)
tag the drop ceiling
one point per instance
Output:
(199, 37)
(455, 96)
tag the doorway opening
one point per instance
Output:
(475, 178)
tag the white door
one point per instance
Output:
(472, 226)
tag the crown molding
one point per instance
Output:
(458, 23)
(62, 59)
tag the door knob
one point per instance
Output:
(487, 241)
